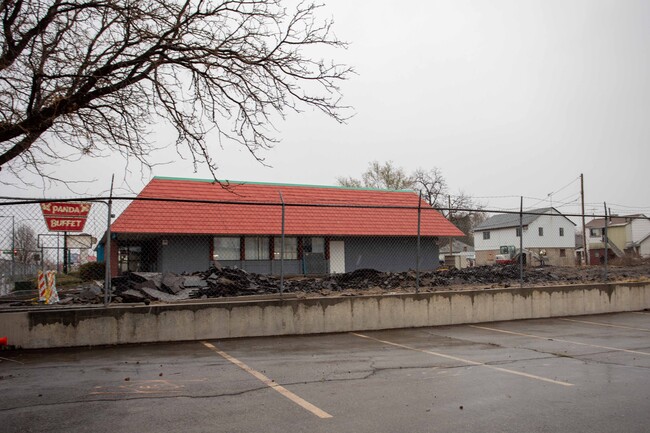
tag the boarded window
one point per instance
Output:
(226, 248)
(290, 248)
(257, 248)
(313, 245)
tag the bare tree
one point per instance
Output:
(461, 209)
(25, 244)
(90, 77)
(432, 185)
(384, 176)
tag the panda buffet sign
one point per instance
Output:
(65, 216)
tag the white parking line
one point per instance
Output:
(270, 383)
(466, 361)
(609, 325)
(615, 349)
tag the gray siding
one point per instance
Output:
(390, 254)
(185, 254)
(191, 254)
(265, 267)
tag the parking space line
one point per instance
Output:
(609, 325)
(466, 361)
(614, 349)
(270, 383)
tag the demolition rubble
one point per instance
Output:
(141, 287)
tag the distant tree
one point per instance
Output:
(383, 176)
(25, 244)
(461, 209)
(91, 77)
(432, 185)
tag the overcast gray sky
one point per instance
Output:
(507, 98)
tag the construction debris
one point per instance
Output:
(217, 282)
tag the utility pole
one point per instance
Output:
(585, 253)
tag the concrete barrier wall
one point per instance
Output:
(121, 324)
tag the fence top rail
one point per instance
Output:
(101, 199)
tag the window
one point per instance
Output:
(256, 248)
(562, 232)
(594, 233)
(562, 252)
(517, 232)
(290, 248)
(129, 258)
(541, 231)
(313, 245)
(486, 235)
(226, 248)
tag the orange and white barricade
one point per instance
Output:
(42, 287)
(51, 288)
(47, 292)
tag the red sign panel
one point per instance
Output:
(65, 216)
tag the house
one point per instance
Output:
(462, 254)
(644, 247)
(548, 236)
(626, 235)
(239, 224)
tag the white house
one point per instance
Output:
(546, 233)
(644, 247)
(625, 235)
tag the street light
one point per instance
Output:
(13, 245)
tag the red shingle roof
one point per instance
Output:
(239, 217)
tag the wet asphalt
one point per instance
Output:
(579, 374)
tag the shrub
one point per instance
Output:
(92, 271)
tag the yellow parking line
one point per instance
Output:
(270, 383)
(616, 349)
(466, 361)
(609, 325)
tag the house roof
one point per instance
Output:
(245, 208)
(502, 221)
(615, 221)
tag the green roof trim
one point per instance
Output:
(243, 182)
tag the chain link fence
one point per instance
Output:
(413, 246)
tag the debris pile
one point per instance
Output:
(146, 287)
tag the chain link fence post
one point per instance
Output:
(418, 252)
(606, 239)
(521, 242)
(282, 249)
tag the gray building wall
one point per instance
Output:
(192, 254)
(184, 254)
(390, 254)
(265, 267)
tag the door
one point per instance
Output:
(337, 257)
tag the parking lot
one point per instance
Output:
(578, 374)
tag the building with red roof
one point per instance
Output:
(182, 225)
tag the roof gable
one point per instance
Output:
(254, 208)
(613, 221)
(503, 221)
